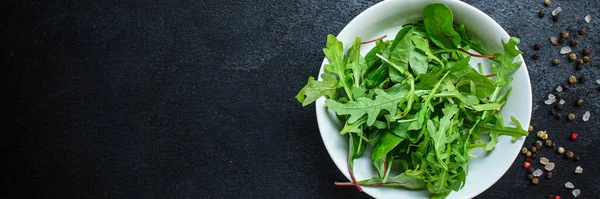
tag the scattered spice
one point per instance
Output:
(554, 41)
(535, 181)
(583, 78)
(541, 14)
(565, 49)
(556, 62)
(587, 18)
(560, 93)
(569, 154)
(549, 175)
(539, 134)
(571, 116)
(566, 86)
(524, 150)
(535, 56)
(555, 18)
(579, 101)
(557, 116)
(530, 128)
(528, 154)
(559, 106)
(538, 144)
(544, 160)
(564, 34)
(580, 61)
(586, 116)
(587, 52)
(573, 42)
(526, 165)
(557, 197)
(572, 57)
(547, 3)
(586, 59)
(572, 79)
(579, 66)
(577, 158)
(537, 46)
(530, 177)
(530, 170)
(574, 136)
(545, 136)
(549, 143)
(569, 185)
(534, 149)
(560, 150)
(549, 167)
(578, 170)
(581, 32)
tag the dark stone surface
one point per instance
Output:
(162, 99)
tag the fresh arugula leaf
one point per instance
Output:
(372, 108)
(316, 89)
(438, 20)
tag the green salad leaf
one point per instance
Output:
(417, 102)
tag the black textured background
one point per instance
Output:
(194, 99)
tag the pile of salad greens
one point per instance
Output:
(418, 102)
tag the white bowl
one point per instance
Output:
(386, 18)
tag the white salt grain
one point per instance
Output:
(586, 116)
(561, 102)
(569, 185)
(578, 170)
(556, 11)
(588, 18)
(549, 166)
(559, 89)
(565, 50)
(537, 173)
(576, 192)
(549, 101)
(598, 81)
(551, 96)
(544, 160)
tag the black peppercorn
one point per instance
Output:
(530, 170)
(561, 40)
(566, 86)
(587, 52)
(557, 116)
(537, 46)
(573, 42)
(579, 66)
(583, 78)
(534, 149)
(530, 177)
(555, 18)
(559, 107)
(549, 175)
(535, 181)
(541, 14)
(581, 32)
(535, 57)
(580, 61)
(553, 111)
(579, 101)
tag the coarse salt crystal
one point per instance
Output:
(559, 89)
(576, 192)
(598, 81)
(561, 102)
(569, 185)
(549, 166)
(537, 173)
(544, 160)
(551, 96)
(586, 116)
(565, 50)
(550, 101)
(556, 11)
(578, 170)
(588, 18)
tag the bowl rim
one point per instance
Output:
(319, 104)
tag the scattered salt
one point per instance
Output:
(549, 166)
(588, 18)
(586, 116)
(565, 50)
(578, 170)
(559, 89)
(556, 11)
(561, 102)
(551, 96)
(549, 101)
(569, 185)
(544, 160)
(576, 192)
(537, 173)
(598, 81)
